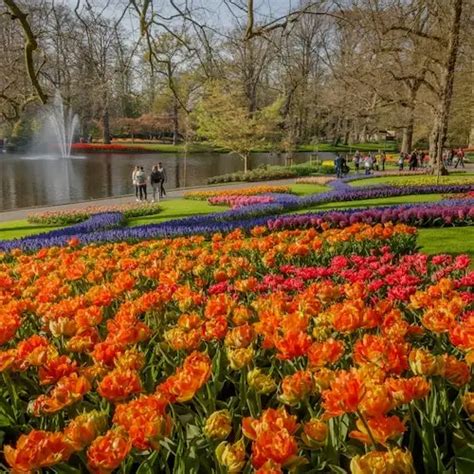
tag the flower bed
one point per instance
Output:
(226, 221)
(252, 191)
(468, 195)
(268, 172)
(241, 201)
(428, 180)
(421, 215)
(238, 354)
(111, 148)
(322, 180)
(73, 216)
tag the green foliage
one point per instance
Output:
(267, 173)
(224, 120)
(22, 132)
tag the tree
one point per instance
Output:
(223, 118)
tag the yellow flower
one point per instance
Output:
(240, 358)
(395, 461)
(218, 425)
(314, 433)
(261, 382)
(231, 456)
(423, 362)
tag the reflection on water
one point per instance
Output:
(27, 181)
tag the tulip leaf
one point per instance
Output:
(463, 447)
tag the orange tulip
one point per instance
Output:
(455, 371)
(145, 420)
(69, 390)
(379, 429)
(296, 387)
(56, 368)
(81, 431)
(107, 452)
(345, 395)
(36, 450)
(325, 353)
(119, 385)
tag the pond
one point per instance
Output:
(28, 181)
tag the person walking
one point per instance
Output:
(368, 164)
(401, 159)
(357, 159)
(383, 159)
(338, 165)
(460, 158)
(413, 161)
(155, 181)
(163, 179)
(135, 181)
(141, 181)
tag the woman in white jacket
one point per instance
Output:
(135, 182)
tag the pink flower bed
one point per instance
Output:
(237, 202)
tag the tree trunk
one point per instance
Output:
(175, 122)
(446, 82)
(245, 157)
(407, 140)
(471, 135)
(106, 126)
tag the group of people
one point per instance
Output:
(453, 158)
(376, 162)
(415, 159)
(157, 180)
(368, 162)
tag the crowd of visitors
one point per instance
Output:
(368, 162)
(157, 179)
(371, 161)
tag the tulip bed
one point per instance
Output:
(73, 216)
(337, 350)
(238, 192)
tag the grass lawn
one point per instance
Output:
(465, 178)
(453, 240)
(22, 228)
(304, 189)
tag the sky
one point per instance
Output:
(215, 12)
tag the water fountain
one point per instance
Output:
(63, 122)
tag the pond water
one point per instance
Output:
(27, 181)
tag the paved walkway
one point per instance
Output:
(115, 201)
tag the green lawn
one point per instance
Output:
(465, 178)
(453, 240)
(304, 189)
(22, 228)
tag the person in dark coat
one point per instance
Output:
(163, 179)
